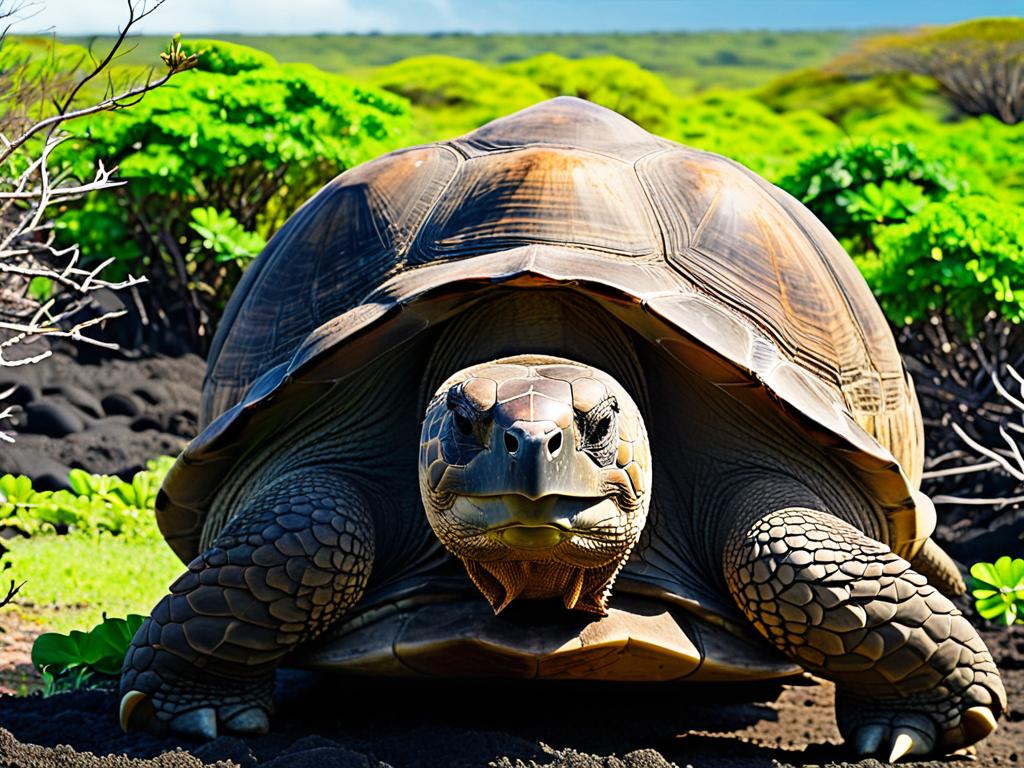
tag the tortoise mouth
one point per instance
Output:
(508, 517)
(530, 536)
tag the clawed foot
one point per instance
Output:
(164, 693)
(196, 719)
(895, 730)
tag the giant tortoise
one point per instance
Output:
(470, 386)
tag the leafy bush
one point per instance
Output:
(979, 63)
(215, 163)
(998, 590)
(746, 130)
(963, 256)
(612, 82)
(847, 100)
(454, 96)
(224, 58)
(224, 237)
(981, 151)
(855, 186)
(72, 660)
(97, 503)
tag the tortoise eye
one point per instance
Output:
(464, 425)
(600, 430)
(463, 433)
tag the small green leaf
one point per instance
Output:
(82, 482)
(100, 650)
(998, 590)
(54, 650)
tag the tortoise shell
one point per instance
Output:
(690, 250)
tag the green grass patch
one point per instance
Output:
(70, 581)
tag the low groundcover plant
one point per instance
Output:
(998, 590)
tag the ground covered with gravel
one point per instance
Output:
(332, 722)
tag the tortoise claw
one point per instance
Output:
(129, 702)
(199, 723)
(978, 722)
(908, 742)
(251, 721)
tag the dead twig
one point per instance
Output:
(33, 189)
(1008, 458)
(11, 592)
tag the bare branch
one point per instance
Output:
(31, 191)
(997, 502)
(953, 471)
(11, 592)
(1003, 463)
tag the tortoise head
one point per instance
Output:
(536, 473)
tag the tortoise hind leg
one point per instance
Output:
(940, 570)
(912, 676)
(281, 571)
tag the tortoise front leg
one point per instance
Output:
(297, 555)
(911, 673)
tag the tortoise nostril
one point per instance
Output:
(511, 443)
(554, 444)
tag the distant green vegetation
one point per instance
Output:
(885, 153)
(686, 61)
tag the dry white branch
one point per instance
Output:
(996, 502)
(1016, 403)
(1016, 473)
(33, 189)
(954, 471)
(1009, 459)
(7, 414)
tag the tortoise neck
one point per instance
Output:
(552, 323)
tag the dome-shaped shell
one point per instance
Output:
(694, 252)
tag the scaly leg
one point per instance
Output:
(911, 673)
(283, 569)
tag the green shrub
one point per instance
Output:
(847, 100)
(70, 661)
(224, 58)
(612, 82)
(747, 131)
(854, 187)
(96, 504)
(214, 164)
(453, 96)
(978, 63)
(981, 151)
(33, 70)
(998, 590)
(224, 237)
(963, 256)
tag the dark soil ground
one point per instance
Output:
(329, 722)
(325, 722)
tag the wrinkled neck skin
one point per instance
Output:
(535, 470)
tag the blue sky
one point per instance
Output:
(71, 17)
